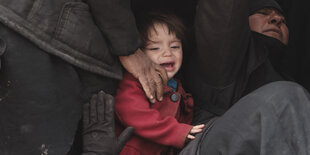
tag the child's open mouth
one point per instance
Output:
(168, 66)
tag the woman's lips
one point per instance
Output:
(274, 30)
(274, 33)
(168, 66)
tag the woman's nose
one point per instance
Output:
(276, 18)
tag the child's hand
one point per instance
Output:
(194, 130)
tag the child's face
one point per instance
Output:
(164, 49)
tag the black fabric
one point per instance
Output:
(2, 49)
(298, 21)
(256, 71)
(41, 98)
(272, 68)
(40, 104)
(255, 5)
(230, 60)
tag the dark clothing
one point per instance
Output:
(41, 99)
(55, 58)
(298, 21)
(66, 28)
(272, 120)
(255, 5)
(230, 60)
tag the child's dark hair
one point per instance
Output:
(147, 21)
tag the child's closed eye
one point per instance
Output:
(175, 47)
(154, 48)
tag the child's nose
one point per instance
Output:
(167, 52)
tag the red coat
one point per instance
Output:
(157, 126)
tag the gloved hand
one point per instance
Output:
(98, 127)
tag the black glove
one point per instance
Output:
(98, 127)
(2, 49)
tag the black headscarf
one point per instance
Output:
(255, 5)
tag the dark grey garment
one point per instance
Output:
(68, 29)
(273, 119)
(193, 146)
(41, 98)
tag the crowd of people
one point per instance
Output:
(98, 78)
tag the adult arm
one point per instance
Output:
(133, 109)
(222, 34)
(117, 23)
(151, 76)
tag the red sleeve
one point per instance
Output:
(133, 109)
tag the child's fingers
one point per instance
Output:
(197, 128)
(200, 126)
(190, 137)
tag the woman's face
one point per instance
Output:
(270, 22)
